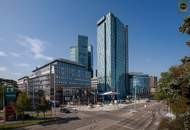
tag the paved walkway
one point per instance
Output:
(104, 107)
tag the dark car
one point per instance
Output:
(65, 110)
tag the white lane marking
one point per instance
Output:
(126, 126)
(99, 125)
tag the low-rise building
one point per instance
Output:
(139, 84)
(152, 83)
(94, 83)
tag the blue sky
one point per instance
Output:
(33, 32)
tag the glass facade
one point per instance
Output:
(82, 53)
(60, 74)
(73, 53)
(71, 75)
(82, 49)
(112, 55)
(140, 82)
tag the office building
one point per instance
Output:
(69, 79)
(10, 87)
(23, 84)
(73, 53)
(94, 83)
(139, 84)
(152, 83)
(112, 55)
(82, 53)
(82, 50)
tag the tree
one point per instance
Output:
(174, 87)
(22, 104)
(42, 104)
(1, 97)
(185, 27)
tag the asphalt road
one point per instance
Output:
(144, 118)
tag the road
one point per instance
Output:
(144, 118)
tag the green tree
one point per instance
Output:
(1, 94)
(1, 97)
(174, 87)
(22, 104)
(42, 104)
(185, 27)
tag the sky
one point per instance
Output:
(33, 32)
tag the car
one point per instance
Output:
(65, 110)
(147, 100)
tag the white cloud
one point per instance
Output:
(2, 53)
(15, 54)
(35, 46)
(2, 68)
(17, 74)
(23, 65)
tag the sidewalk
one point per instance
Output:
(104, 107)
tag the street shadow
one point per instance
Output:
(59, 120)
(51, 121)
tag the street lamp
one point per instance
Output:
(135, 87)
(53, 71)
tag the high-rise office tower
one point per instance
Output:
(82, 50)
(112, 55)
(73, 53)
(82, 53)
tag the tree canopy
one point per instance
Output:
(42, 104)
(1, 96)
(22, 103)
(185, 27)
(174, 86)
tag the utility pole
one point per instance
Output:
(53, 69)
(4, 109)
(135, 96)
(54, 94)
(33, 102)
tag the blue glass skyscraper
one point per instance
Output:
(82, 53)
(112, 55)
(82, 50)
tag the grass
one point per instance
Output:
(48, 114)
(1, 113)
(19, 124)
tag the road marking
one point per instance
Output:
(99, 125)
(126, 126)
